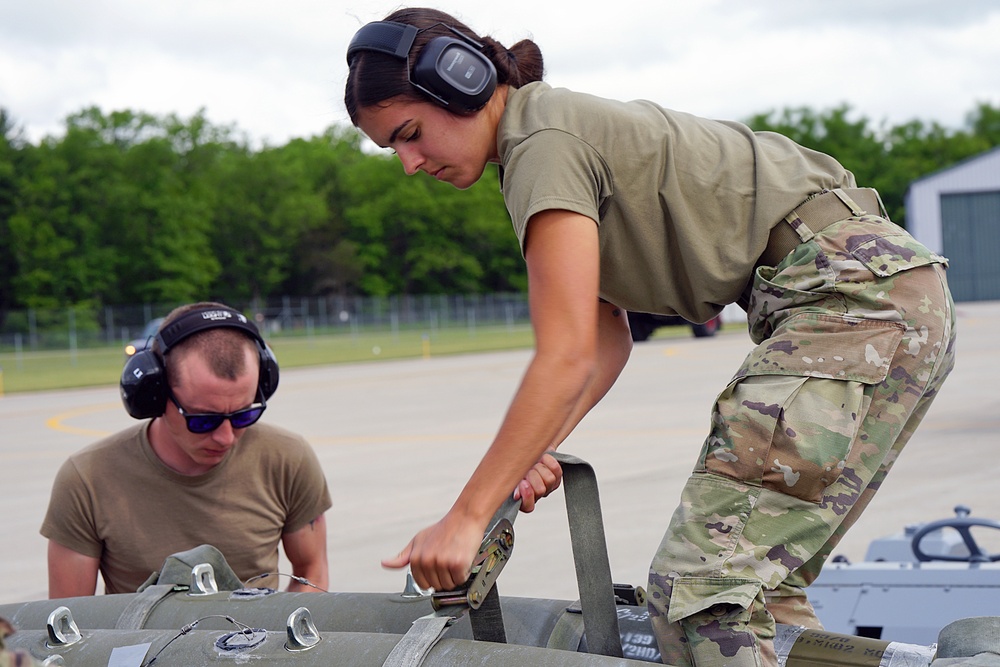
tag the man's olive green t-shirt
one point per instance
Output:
(117, 501)
(684, 204)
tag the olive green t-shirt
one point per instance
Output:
(684, 204)
(116, 501)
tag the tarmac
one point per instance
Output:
(398, 439)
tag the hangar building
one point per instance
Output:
(956, 212)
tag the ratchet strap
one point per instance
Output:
(478, 596)
(425, 632)
(590, 555)
(487, 620)
(135, 614)
(593, 574)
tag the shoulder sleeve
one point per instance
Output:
(69, 519)
(553, 169)
(308, 493)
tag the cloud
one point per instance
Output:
(276, 70)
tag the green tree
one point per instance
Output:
(984, 122)
(917, 149)
(164, 230)
(55, 233)
(887, 159)
(131, 208)
(12, 147)
(488, 235)
(853, 143)
(105, 216)
(262, 207)
(328, 260)
(419, 236)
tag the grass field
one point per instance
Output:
(63, 369)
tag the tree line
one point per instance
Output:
(129, 208)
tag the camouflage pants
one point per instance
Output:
(9, 658)
(855, 334)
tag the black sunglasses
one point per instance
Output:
(206, 422)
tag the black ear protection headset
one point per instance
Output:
(453, 72)
(144, 379)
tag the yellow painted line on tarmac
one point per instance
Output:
(622, 437)
(670, 351)
(391, 438)
(56, 423)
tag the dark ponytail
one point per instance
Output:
(373, 77)
(517, 66)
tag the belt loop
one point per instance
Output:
(881, 206)
(800, 227)
(856, 210)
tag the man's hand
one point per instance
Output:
(543, 478)
(441, 556)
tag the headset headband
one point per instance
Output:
(191, 323)
(143, 383)
(395, 39)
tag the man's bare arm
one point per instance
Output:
(306, 551)
(71, 574)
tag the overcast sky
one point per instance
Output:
(276, 70)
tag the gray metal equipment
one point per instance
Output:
(183, 618)
(914, 583)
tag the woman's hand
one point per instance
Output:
(441, 556)
(565, 378)
(543, 478)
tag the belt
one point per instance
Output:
(818, 213)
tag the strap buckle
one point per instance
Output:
(494, 552)
(449, 606)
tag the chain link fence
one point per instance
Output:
(36, 330)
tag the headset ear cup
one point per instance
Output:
(268, 381)
(144, 386)
(468, 89)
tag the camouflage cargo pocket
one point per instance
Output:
(890, 252)
(733, 597)
(849, 268)
(788, 419)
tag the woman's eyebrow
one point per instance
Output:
(395, 133)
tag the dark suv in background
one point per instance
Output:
(644, 324)
(145, 339)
